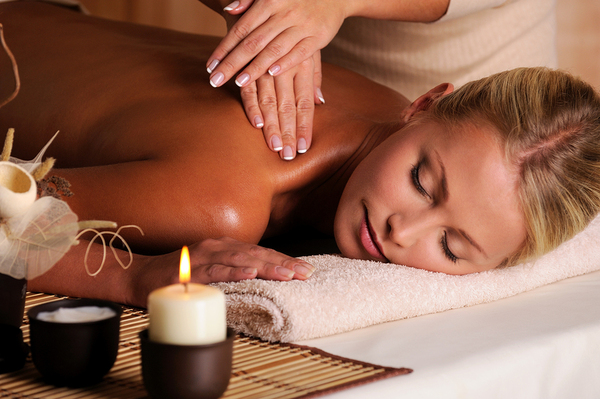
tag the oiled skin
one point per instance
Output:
(145, 140)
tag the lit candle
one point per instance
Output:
(187, 313)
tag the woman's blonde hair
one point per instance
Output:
(549, 124)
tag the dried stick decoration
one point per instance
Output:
(15, 68)
(8, 144)
(42, 170)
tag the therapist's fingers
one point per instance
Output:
(287, 105)
(267, 100)
(318, 78)
(302, 50)
(287, 112)
(254, 45)
(237, 7)
(285, 51)
(249, 96)
(274, 36)
(305, 104)
(240, 45)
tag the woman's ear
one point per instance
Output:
(424, 102)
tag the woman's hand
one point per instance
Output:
(227, 259)
(212, 261)
(283, 106)
(273, 36)
(223, 259)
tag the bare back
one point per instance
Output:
(144, 139)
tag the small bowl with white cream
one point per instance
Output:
(74, 342)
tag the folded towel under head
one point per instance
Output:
(345, 294)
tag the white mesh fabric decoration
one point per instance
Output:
(35, 233)
(31, 243)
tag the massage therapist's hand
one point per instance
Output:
(284, 106)
(273, 36)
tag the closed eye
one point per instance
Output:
(444, 242)
(417, 182)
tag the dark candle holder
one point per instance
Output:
(186, 371)
(12, 300)
(12, 305)
(74, 354)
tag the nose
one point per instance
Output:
(406, 230)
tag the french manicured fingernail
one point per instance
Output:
(320, 95)
(276, 143)
(243, 78)
(301, 146)
(258, 122)
(287, 273)
(274, 69)
(288, 154)
(232, 6)
(217, 79)
(213, 64)
(303, 270)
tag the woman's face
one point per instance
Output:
(433, 199)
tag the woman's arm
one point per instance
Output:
(212, 260)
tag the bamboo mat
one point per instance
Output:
(260, 369)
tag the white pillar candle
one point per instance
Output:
(187, 314)
(195, 317)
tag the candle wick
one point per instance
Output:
(185, 285)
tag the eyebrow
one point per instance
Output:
(446, 194)
(472, 242)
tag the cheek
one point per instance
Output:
(387, 184)
(380, 172)
(422, 255)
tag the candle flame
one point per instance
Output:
(184, 266)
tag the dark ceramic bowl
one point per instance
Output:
(74, 354)
(186, 371)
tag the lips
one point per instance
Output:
(368, 238)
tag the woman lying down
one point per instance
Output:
(502, 170)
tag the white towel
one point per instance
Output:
(346, 294)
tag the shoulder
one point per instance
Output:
(351, 94)
(208, 183)
(174, 202)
